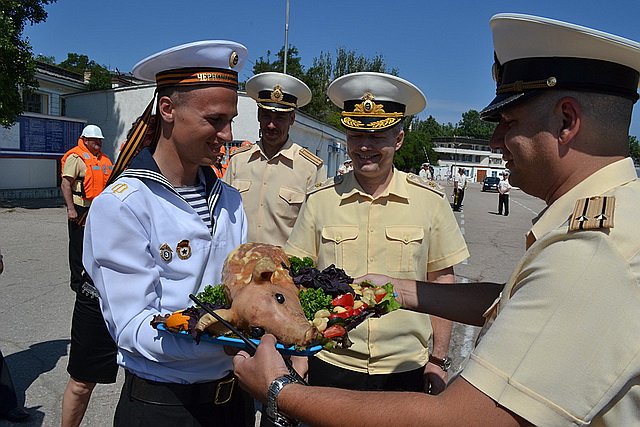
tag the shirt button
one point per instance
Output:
(370, 259)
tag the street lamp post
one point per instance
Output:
(286, 36)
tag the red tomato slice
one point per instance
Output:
(379, 297)
(345, 300)
(334, 331)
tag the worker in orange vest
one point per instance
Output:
(92, 356)
(220, 166)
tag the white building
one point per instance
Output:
(30, 151)
(474, 155)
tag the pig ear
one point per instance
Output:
(263, 270)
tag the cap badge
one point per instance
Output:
(276, 94)
(233, 59)
(183, 249)
(368, 106)
(166, 253)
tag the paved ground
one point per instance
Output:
(36, 303)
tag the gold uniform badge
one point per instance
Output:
(166, 253)
(183, 249)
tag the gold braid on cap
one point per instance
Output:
(521, 86)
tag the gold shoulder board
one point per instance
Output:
(311, 157)
(593, 213)
(241, 150)
(324, 184)
(425, 183)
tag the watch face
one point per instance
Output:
(446, 364)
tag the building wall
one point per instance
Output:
(19, 173)
(115, 111)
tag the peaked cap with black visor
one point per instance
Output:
(374, 102)
(197, 64)
(534, 54)
(278, 92)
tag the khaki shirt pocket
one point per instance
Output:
(241, 185)
(293, 199)
(339, 247)
(404, 244)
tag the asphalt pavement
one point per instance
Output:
(36, 302)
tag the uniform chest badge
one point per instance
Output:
(183, 249)
(166, 253)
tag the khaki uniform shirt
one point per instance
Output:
(405, 232)
(75, 168)
(274, 189)
(565, 346)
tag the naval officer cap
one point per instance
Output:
(278, 92)
(206, 63)
(373, 102)
(534, 54)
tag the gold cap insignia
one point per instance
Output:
(166, 253)
(276, 93)
(233, 59)
(183, 249)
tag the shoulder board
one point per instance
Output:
(335, 180)
(311, 157)
(425, 183)
(121, 189)
(593, 213)
(241, 150)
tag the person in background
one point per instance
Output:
(425, 172)
(9, 408)
(92, 354)
(220, 167)
(366, 222)
(162, 231)
(503, 194)
(345, 167)
(459, 186)
(273, 174)
(577, 283)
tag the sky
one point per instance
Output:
(444, 47)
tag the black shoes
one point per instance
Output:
(16, 415)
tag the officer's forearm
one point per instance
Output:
(459, 302)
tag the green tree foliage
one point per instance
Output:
(100, 77)
(51, 60)
(417, 147)
(294, 66)
(17, 66)
(634, 149)
(472, 126)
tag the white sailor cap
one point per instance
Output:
(373, 102)
(278, 92)
(534, 54)
(207, 62)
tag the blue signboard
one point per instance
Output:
(48, 136)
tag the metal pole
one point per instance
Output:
(286, 37)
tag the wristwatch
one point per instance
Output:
(275, 388)
(444, 364)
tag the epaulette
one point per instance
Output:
(241, 150)
(425, 183)
(330, 182)
(121, 190)
(593, 213)
(311, 157)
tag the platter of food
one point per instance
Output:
(264, 291)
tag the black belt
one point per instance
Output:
(171, 394)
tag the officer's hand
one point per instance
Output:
(256, 373)
(435, 379)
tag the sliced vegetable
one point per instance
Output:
(344, 300)
(334, 331)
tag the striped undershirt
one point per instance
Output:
(196, 197)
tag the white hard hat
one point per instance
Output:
(92, 131)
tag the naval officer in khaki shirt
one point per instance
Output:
(376, 219)
(563, 344)
(273, 174)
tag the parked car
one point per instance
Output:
(490, 183)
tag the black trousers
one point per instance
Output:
(145, 403)
(324, 374)
(76, 235)
(8, 398)
(503, 202)
(457, 200)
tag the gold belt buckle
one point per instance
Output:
(224, 391)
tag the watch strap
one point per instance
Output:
(443, 364)
(274, 390)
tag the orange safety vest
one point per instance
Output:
(98, 170)
(220, 172)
